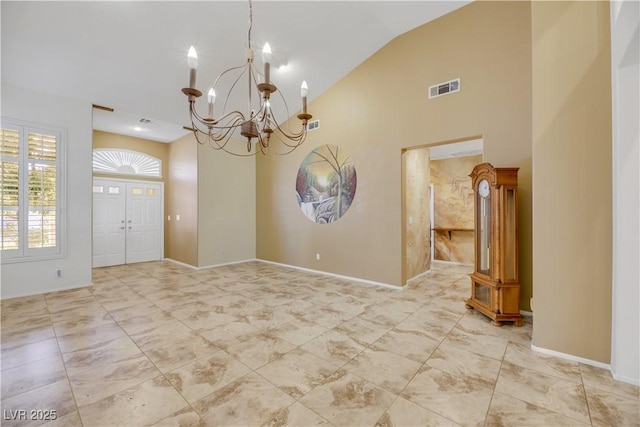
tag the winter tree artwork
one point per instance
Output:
(326, 184)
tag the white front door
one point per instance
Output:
(127, 222)
(144, 221)
(109, 217)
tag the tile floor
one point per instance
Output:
(258, 344)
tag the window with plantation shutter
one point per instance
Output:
(31, 190)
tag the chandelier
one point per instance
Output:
(258, 125)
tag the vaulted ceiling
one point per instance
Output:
(131, 55)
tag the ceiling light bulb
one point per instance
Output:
(192, 58)
(266, 53)
(211, 96)
(304, 89)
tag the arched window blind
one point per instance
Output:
(126, 162)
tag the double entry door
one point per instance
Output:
(127, 222)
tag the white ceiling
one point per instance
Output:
(131, 55)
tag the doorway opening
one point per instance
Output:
(437, 204)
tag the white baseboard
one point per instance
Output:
(526, 313)
(339, 276)
(419, 275)
(571, 357)
(629, 380)
(209, 266)
(45, 291)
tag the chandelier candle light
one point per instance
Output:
(259, 122)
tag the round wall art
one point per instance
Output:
(326, 184)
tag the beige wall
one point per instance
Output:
(572, 178)
(453, 208)
(416, 202)
(159, 150)
(181, 197)
(226, 207)
(382, 107)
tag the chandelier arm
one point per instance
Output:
(289, 133)
(215, 144)
(235, 82)
(216, 133)
(297, 136)
(290, 147)
(219, 123)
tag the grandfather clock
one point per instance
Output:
(495, 289)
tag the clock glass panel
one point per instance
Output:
(484, 232)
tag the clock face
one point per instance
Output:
(483, 188)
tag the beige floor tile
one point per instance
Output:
(327, 316)
(17, 323)
(183, 418)
(23, 306)
(508, 411)
(249, 401)
(348, 400)
(28, 334)
(594, 377)
(31, 376)
(412, 344)
(334, 347)
(298, 415)
(94, 382)
(90, 339)
(260, 349)
(609, 409)
(464, 363)
(299, 331)
(297, 372)
(146, 339)
(464, 400)
(81, 322)
(477, 342)
(405, 413)
(525, 357)
(142, 404)
(388, 370)
(229, 334)
(56, 397)
(20, 355)
(114, 351)
(553, 393)
(72, 419)
(206, 375)
(362, 331)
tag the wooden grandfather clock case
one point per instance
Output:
(495, 288)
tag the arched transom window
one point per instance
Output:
(126, 162)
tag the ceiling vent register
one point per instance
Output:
(313, 125)
(444, 88)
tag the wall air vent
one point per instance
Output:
(313, 125)
(444, 88)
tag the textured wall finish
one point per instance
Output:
(453, 208)
(418, 222)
